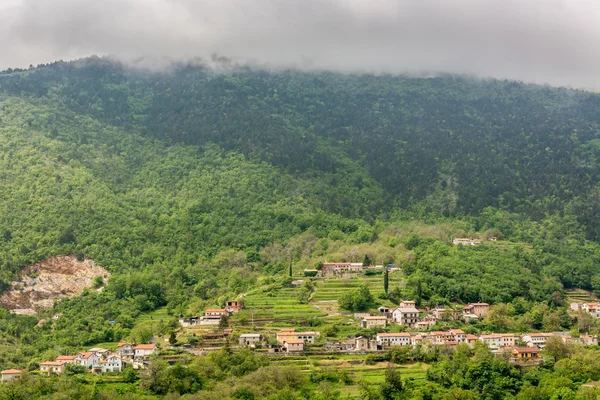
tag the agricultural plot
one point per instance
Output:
(355, 368)
(330, 289)
(278, 303)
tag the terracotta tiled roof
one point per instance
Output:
(384, 334)
(526, 350)
(86, 354)
(53, 363)
(11, 371)
(65, 358)
(145, 346)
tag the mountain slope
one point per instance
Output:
(453, 145)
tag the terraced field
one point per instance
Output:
(579, 295)
(355, 367)
(331, 289)
(276, 303)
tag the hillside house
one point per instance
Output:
(362, 344)
(87, 359)
(458, 335)
(497, 341)
(478, 309)
(67, 359)
(189, 321)
(100, 352)
(112, 363)
(219, 312)
(290, 334)
(470, 340)
(536, 339)
(588, 340)
(373, 321)
(406, 314)
(525, 354)
(340, 345)
(445, 314)
(53, 367)
(466, 242)
(145, 350)
(234, 306)
(293, 345)
(126, 349)
(250, 339)
(424, 325)
(341, 268)
(10, 375)
(384, 310)
(394, 339)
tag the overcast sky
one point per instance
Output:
(543, 41)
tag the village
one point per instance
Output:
(523, 349)
(384, 328)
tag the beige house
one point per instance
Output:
(373, 321)
(292, 345)
(10, 375)
(290, 334)
(67, 359)
(250, 339)
(478, 309)
(53, 367)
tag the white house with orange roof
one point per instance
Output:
(145, 350)
(112, 363)
(458, 335)
(87, 359)
(394, 339)
(125, 349)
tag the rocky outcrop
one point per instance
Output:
(54, 278)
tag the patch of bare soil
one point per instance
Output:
(54, 278)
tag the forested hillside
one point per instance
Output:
(193, 185)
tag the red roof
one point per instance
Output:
(124, 343)
(54, 363)
(86, 354)
(455, 331)
(11, 371)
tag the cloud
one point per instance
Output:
(542, 41)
